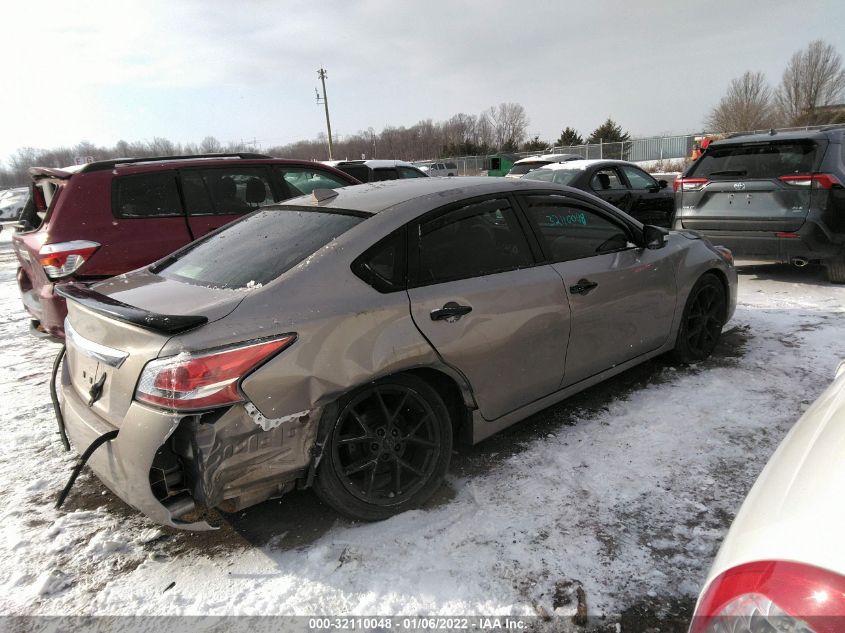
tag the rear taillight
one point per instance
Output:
(62, 259)
(814, 181)
(772, 596)
(689, 184)
(191, 381)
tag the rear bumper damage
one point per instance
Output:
(173, 467)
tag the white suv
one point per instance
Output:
(447, 168)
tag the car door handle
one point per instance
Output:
(450, 312)
(582, 287)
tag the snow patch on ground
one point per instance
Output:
(629, 498)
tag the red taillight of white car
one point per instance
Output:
(689, 184)
(811, 181)
(188, 381)
(772, 596)
(64, 258)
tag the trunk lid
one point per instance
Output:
(114, 328)
(741, 190)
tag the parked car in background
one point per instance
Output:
(530, 163)
(12, 202)
(781, 566)
(371, 324)
(100, 219)
(771, 197)
(622, 184)
(377, 170)
(447, 168)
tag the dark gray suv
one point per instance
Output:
(771, 197)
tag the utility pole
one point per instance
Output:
(322, 75)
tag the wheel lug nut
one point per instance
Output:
(374, 446)
(394, 432)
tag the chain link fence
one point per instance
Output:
(656, 148)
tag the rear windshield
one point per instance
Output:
(361, 172)
(524, 168)
(560, 176)
(259, 248)
(760, 160)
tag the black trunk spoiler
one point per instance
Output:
(103, 304)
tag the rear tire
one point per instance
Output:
(702, 320)
(387, 450)
(836, 269)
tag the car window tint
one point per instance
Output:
(607, 178)
(385, 174)
(475, 240)
(758, 160)
(147, 196)
(303, 180)
(638, 178)
(257, 249)
(383, 265)
(573, 232)
(234, 190)
(361, 172)
(408, 172)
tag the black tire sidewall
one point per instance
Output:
(682, 351)
(327, 483)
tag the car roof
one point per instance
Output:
(130, 165)
(584, 164)
(768, 137)
(375, 197)
(376, 163)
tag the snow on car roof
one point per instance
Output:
(584, 164)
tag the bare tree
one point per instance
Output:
(510, 123)
(210, 145)
(746, 106)
(813, 78)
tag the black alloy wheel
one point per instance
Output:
(702, 321)
(388, 450)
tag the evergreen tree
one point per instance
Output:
(569, 137)
(612, 137)
(535, 145)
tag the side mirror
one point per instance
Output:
(662, 184)
(654, 237)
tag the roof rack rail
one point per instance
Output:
(109, 164)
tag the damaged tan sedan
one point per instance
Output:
(344, 340)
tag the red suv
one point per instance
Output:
(97, 220)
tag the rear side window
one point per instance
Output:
(409, 172)
(607, 178)
(385, 174)
(147, 196)
(226, 191)
(383, 265)
(361, 172)
(258, 249)
(475, 240)
(760, 160)
(302, 181)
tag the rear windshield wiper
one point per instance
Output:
(729, 172)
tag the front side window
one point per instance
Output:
(605, 179)
(259, 248)
(147, 196)
(475, 240)
(302, 180)
(638, 178)
(234, 190)
(569, 231)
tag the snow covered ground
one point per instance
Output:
(625, 489)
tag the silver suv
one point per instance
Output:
(771, 197)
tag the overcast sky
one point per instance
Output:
(104, 71)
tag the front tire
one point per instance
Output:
(387, 450)
(836, 269)
(702, 320)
